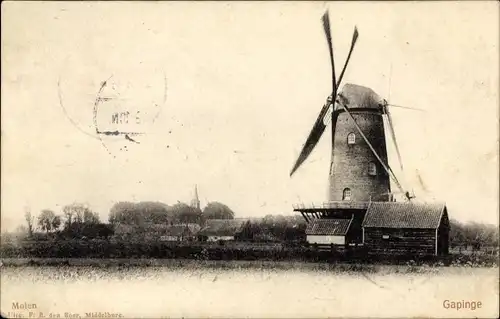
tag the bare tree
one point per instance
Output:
(29, 220)
(78, 213)
(48, 220)
(56, 222)
(74, 213)
(90, 217)
(68, 214)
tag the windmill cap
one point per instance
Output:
(357, 96)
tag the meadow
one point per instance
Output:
(238, 280)
(231, 289)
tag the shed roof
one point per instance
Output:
(331, 226)
(403, 215)
(222, 227)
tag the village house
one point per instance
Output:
(223, 230)
(180, 232)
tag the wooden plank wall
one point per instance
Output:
(401, 241)
(443, 236)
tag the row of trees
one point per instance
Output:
(279, 228)
(473, 234)
(159, 213)
(76, 220)
(126, 213)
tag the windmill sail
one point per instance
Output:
(326, 28)
(313, 138)
(322, 120)
(393, 135)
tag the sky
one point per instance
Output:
(225, 94)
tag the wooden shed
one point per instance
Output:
(330, 231)
(406, 228)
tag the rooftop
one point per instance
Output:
(179, 230)
(223, 227)
(357, 96)
(404, 215)
(333, 226)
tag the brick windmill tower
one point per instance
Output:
(359, 168)
(361, 209)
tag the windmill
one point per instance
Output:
(361, 213)
(359, 169)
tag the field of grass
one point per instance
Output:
(342, 265)
(194, 265)
(199, 288)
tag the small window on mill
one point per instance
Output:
(346, 195)
(372, 169)
(351, 138)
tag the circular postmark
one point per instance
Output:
(125, 110)
(117, 108)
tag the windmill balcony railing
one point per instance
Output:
(331, 205)
(313, 205)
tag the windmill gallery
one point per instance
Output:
(362, 212)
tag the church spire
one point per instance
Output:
(195, 202)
